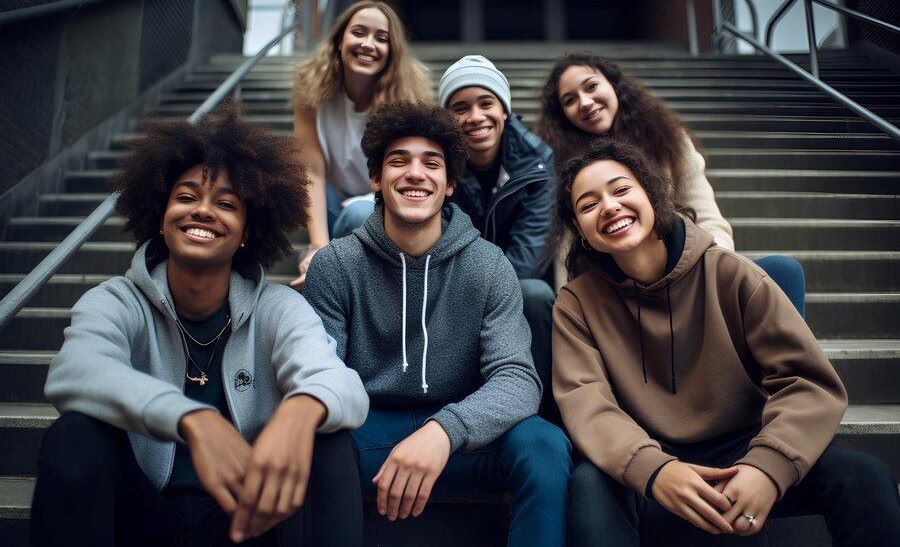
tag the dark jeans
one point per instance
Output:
(537, 304)
(853, 491)
(90, 491)
(343, 220)
(531, 460)
(788, 274)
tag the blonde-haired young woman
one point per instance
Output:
(363, 63)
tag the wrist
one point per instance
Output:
(305, 410)
(191, 425)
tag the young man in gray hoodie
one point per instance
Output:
(430, 315)
(191, 390)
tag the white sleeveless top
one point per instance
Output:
(340, 129)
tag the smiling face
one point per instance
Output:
(205, 220)
(481, 116)
(588, 99)
(413, 182)
(612, 210)
(365, 44)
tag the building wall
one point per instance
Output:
(62, 75)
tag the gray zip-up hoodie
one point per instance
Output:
(123, 362)
(465, 343)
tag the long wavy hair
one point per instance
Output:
(580, 257)
(321, 76)
(642, 119)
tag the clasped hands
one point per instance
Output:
(739, 491)
(258, 486)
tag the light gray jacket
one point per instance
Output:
(123, 362)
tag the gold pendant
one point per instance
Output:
(202, 379)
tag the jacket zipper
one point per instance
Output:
(517, 184)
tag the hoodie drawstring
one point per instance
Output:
(671, 339)
(405, 362)
(424, 327)
(637, 295)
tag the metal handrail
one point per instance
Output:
(754, 17)
(776, 16)
(879, 122)
(16, 299)
(23, 14)
(859, 16)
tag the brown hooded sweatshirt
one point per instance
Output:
(712, 348)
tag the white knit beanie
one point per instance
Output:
(474, 70)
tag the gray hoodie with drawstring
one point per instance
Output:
(123, 362)
(445, 328)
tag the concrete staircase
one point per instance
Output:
(794, 173)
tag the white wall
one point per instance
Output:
(790, 33)
(263, 20)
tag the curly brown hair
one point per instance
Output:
(398, 120)
(642, 119)
(653, 179)
(263, 169)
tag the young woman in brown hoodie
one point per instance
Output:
(689, 383)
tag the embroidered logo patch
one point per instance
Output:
(243, 380)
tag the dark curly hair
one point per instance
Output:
(398, 120)
(653, 179)
(264, 170)
(642, 119)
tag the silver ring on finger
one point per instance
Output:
(750, 518)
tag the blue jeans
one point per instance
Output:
(788, 274)
(532, 461)
(343, 220)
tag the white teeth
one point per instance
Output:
(200, 232)
(415, 193)
(618, 225)
(480, 131)
(364, 57)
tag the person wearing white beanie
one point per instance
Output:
(507, 188)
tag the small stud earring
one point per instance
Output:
(242, 245)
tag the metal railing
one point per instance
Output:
(50, 8)
(812, 75)
(16, 299)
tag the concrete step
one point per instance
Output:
(805, 180)
(853, 315)
(88, 181)
(56, 228)
(870, 369)
(71, 204)
(861, 160)
(807, 205)
(845, 271)
(821, 234)
(712, 140)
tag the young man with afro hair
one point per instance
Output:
(200, 404)
(430, 315)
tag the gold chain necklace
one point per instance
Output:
(203, 378)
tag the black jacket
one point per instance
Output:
(517, 216)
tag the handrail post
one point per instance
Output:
(811, 37)
(717, 25)
(779, 13)
(692, 28)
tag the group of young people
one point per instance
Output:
(429, 352)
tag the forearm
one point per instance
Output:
(317, 226)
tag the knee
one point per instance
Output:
(863, 473)
(590, 490)
(537, 294)
(782, 267)
(79, 451)
(357, 212)
(541, 449)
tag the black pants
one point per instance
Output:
(90, 491)
(853, 491)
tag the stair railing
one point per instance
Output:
(16, 299)
(812, 76)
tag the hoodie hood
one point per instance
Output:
(456, 233)
(685, 247)
(148, 273)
